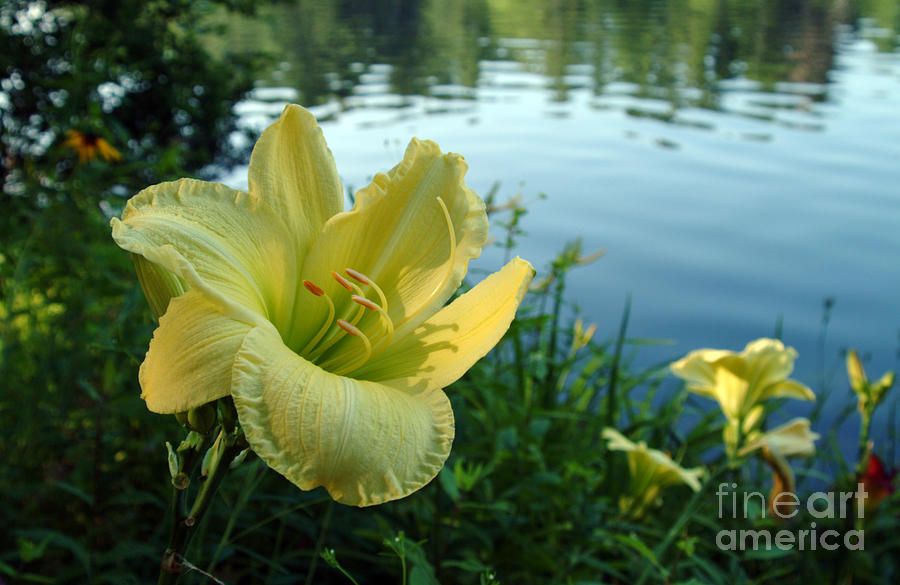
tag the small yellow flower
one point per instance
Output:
(327, 328)
(650, 470)
(869, 394)
(88, 145)
(740, 382)
(792, 439)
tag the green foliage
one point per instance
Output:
(530, 494)
(81, 497)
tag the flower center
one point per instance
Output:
(323, 349)
(366, 319)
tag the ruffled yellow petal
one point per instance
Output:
(412, 231)
(365, 442)
(292, 173)
(442, 348)
(216, 240)
(191, 355)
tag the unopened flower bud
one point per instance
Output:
(174, 460)
(212, 457)
(192, 441)
(202, 418)
(239, 459)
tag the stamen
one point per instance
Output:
(367, 353)
(349, 328)
(313, 288)
(327, 324)
(344, 282)
(387, 324)
(352, 288)
(362, 278)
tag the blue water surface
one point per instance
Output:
(727, 207)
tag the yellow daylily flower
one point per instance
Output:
(740, 382)
(792, 439)
(328, 328)
(650, 471)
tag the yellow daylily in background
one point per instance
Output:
(740, 382)
(792, 439)
(650, 470)
(327, 328)
(869, 394)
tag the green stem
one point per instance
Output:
(184, 524)
(681, 522)
(320, 543)
(863, 449)
(611, 402)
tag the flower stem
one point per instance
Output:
(183, 521)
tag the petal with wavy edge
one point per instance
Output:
(442, 348)
(215, 239)
(292, 173)
(191, 354)
(398, 235)
(365, 442)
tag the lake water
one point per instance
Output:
(738, 161)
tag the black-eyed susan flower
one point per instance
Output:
(328, 328)
(89, 145)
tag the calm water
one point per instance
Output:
(738, 163)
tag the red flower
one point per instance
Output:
(877, 482)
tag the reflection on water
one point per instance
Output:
(737, 159)
(676, 51)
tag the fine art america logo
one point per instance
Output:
(786, 505)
